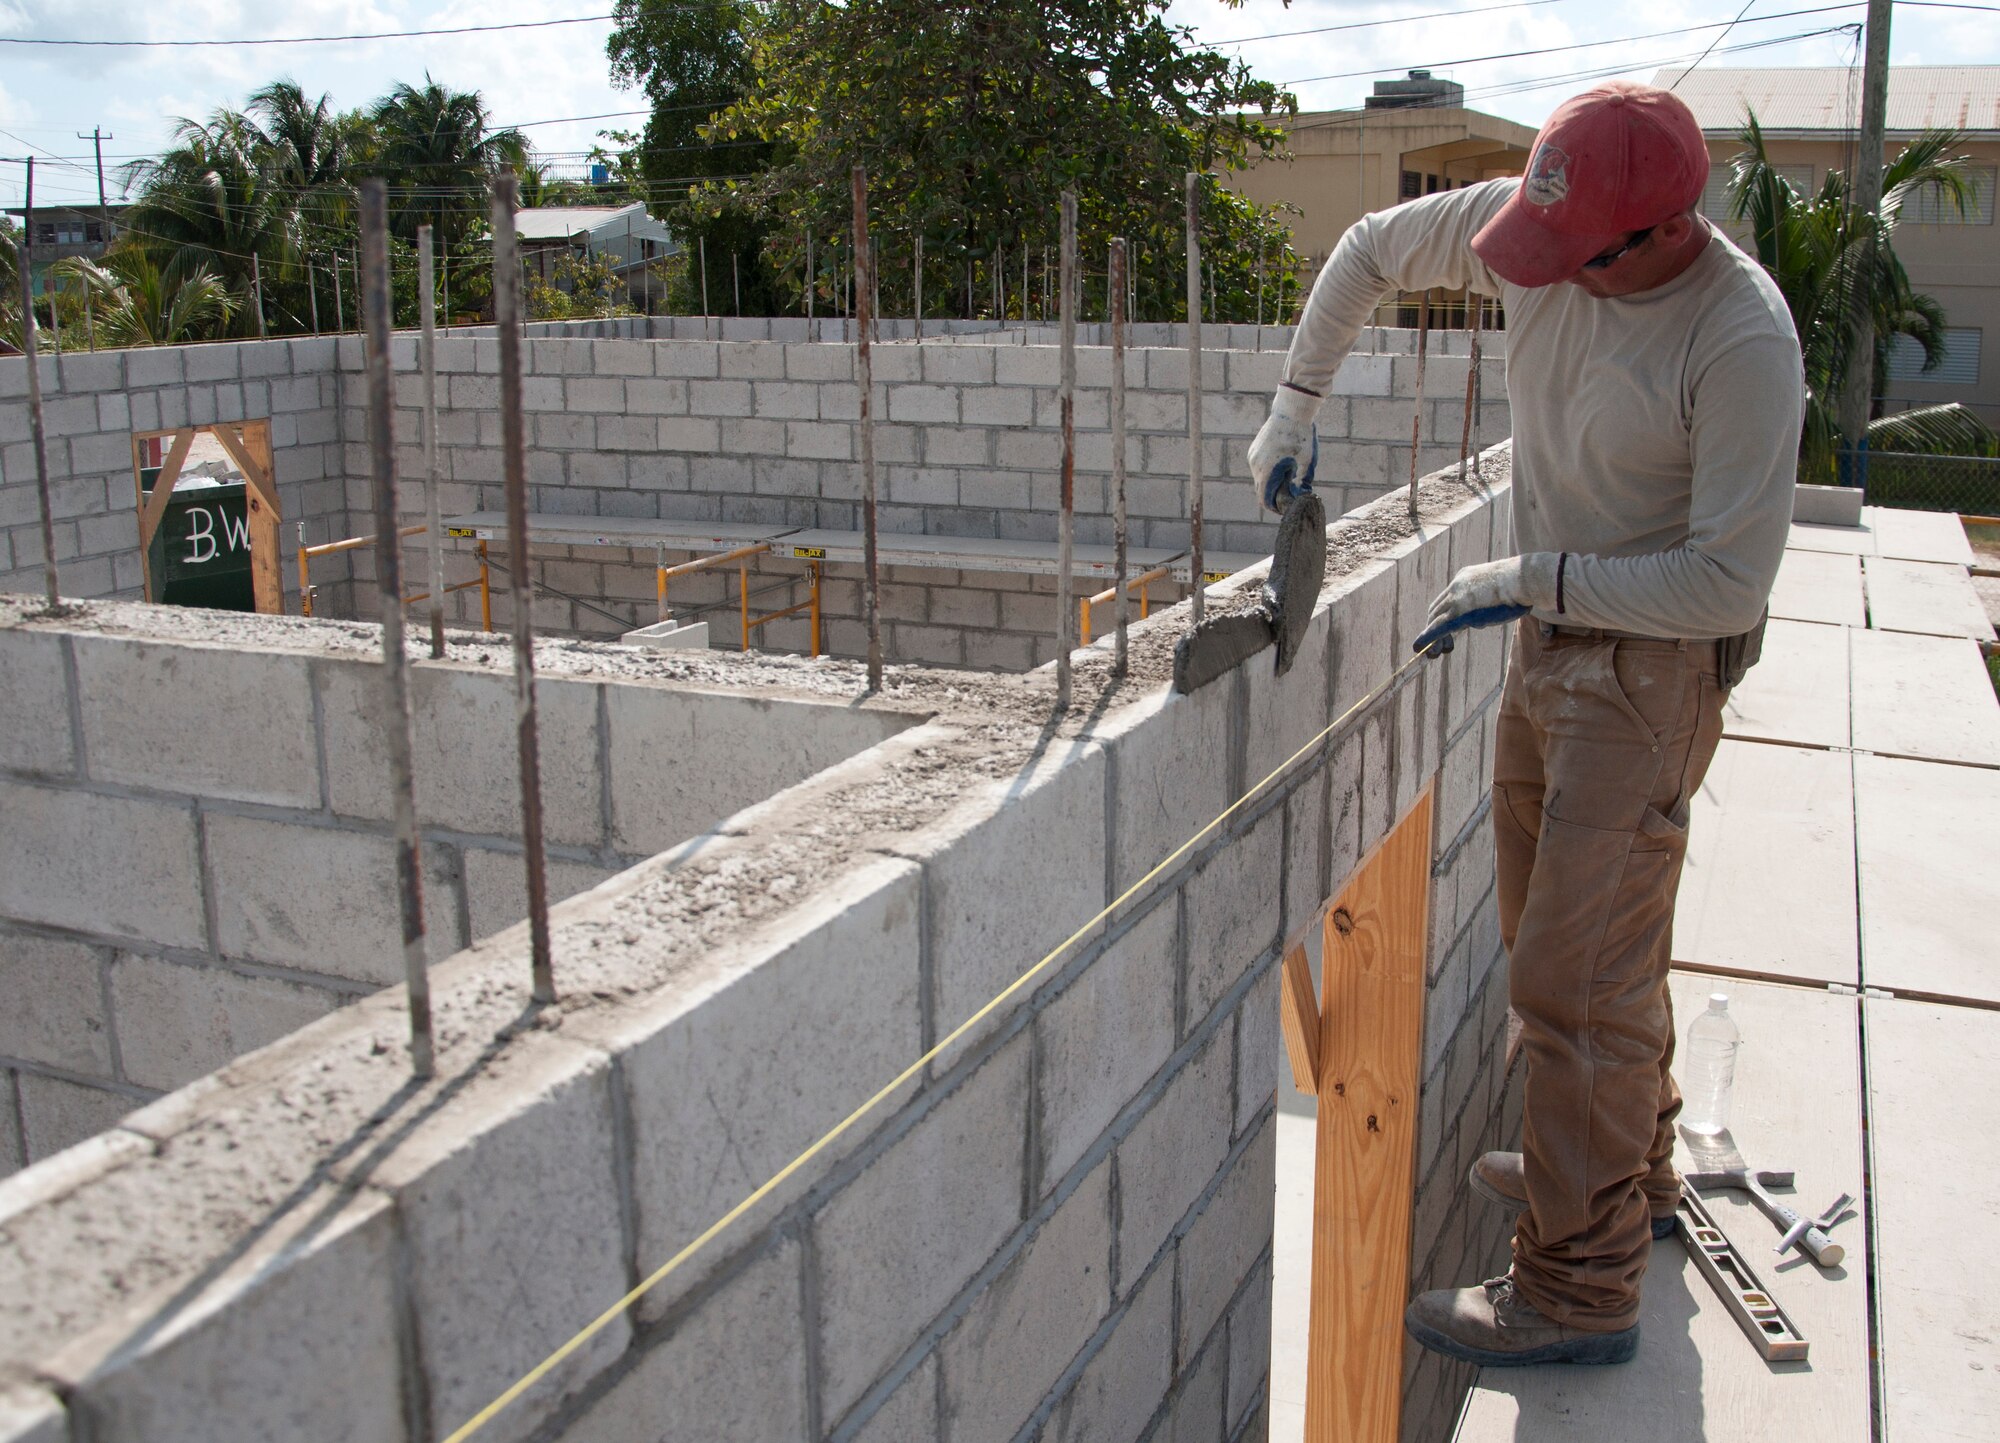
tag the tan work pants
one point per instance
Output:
(1601, 745)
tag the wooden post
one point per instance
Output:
(1371, 1026)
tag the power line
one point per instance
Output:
(1391, 20)
(234, 43)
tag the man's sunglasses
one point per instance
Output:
(1598, 263)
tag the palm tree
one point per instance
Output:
(138, 303)
(1825, 258)
(433, 145)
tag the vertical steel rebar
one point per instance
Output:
(1259, 344)
(1478, 388)
(257, 286)
(999, 287)
(1025, 252)
(312, 291)
(514, 462)
(917, 288)
(444, 282)
(377, 323)
(36, 431)
(339, 309)
(812, 288)
(736, 280)
(1471, 383)
(871, 600)
(1115, 299)
(1417, 420)
(433, 518)
(1194, 391)
(1066, 534)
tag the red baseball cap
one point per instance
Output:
(1613, 160)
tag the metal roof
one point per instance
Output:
(1828, 97)
(544, 223)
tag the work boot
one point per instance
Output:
(1494, 1326)
(1500, 1178)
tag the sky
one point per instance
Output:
(543, 78)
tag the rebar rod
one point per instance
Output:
(339, 308)
(521, 582)
(812, 290)
(1417, 420)
(1194, 389)
(433, 517)
(1115, 298)
(871, 599)
(377, 321)
(1478, 386)
(37, 433)
(1471, 385)
(1066, 532)
(917, 299)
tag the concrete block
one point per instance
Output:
(55, 1012)
(1099, 1042)
(56, 1114)
(34, 704)
(773, 745)
(499, 1274)
(712, 1117)
(1261, 1064)
(923, 404)
(1119, 1389)
(720, 398)
(1463, 780)
(1308, 881)
(1232, 913)
(1023, 1330)
(1170, 760)
(621, 358)
(899, 1241)
(1042, 829)
(689, 433)
(178, 1023)
(811, 362)
(1249, 1351)
(13, 1156)
(1282, 713)
(753, 360)
(911, 1412)
(108, 865)
(1227, 1239)
(496, 887)
(1167, 1159)
(733, 1371)
(317, 898)
(1196, 1414)
(465, 743)
(204, 720)
(246, 1360)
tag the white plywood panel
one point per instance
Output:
(1798, 691)
(1925, 596)
(1924, 835)
(1768, 887)
(1819, 586)
(1934, 1110)
(1697, 1379)
(1918, 535)
(1852, 540)
(1923, 696)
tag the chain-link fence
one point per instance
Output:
(1969, 485)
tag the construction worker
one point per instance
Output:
(1657, 395)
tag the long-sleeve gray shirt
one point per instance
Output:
(1655, 435)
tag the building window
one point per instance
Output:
(1960, 366)
(1413, 185)
(1930, 207)
(45, 232)
(1430, 185)
(1715, 195)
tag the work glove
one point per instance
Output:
(1489, 594)
(1286, 450)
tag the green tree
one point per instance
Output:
(1825, 258)
(434, 147)
(10, 283)
(972, 116)
(136, 302)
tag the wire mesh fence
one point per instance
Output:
(1969, 485)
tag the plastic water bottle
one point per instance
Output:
(1711, 1067)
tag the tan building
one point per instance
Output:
(1808, 116)
(1412, 137)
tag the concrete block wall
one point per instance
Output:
(1060, 1229)
(198, 860)
(92, 404)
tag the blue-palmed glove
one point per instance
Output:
(1489, 594)
(1286, 449)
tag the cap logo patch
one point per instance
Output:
(1547, 180)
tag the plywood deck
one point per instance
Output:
(1768, 886)
(1697, 1379)
(1799, 691)
(1934, 1110)
(1925, 596)
(1930, 889)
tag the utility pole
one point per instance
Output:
(1858, 384)
(97, 137)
